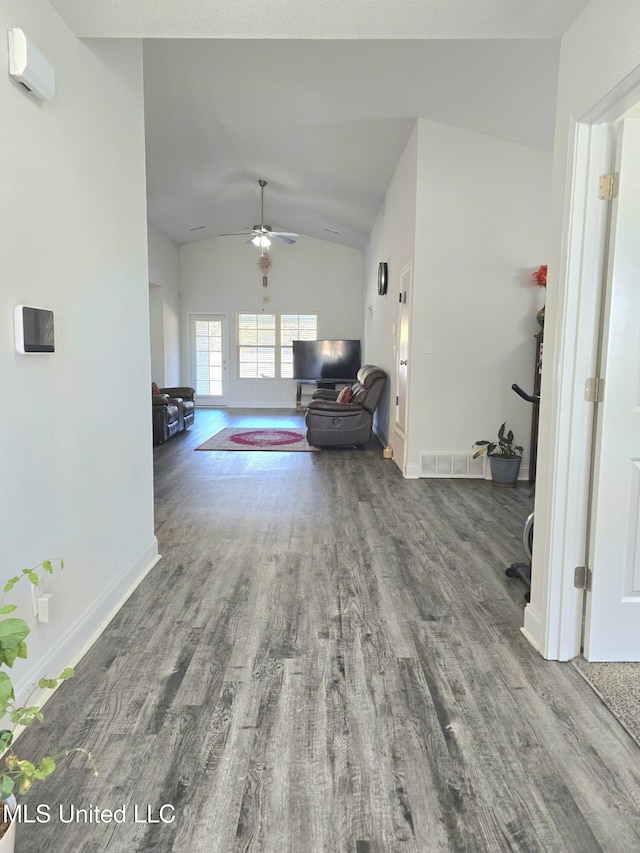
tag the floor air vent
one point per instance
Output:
(451, 465)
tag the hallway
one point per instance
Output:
(328, 658)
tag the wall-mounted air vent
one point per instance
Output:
(451, 465)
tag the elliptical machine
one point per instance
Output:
(523, 570)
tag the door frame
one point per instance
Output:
(400, 431)
(191, 315)
(553, 618)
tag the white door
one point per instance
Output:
(209, 357)
(612, 624)
(402, 371)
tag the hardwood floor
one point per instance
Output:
(328, 658)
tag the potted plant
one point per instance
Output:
(19, 774)
(504, 457)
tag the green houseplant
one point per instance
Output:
(504, 457)
(19, 774)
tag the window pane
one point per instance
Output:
(298, 327)
(248, 362)
(264, 343)
(286, 362)
(266, 337)
(208, 345)
(266, 362)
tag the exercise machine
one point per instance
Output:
(522, 570)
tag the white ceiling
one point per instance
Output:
(331, 19)
(320, 99)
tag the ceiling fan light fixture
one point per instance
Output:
(263, 235)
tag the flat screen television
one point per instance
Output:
(319, 360)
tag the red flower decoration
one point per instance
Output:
(540, 275)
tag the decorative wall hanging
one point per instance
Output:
(383, 272)
(264, 264)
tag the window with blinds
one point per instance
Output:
(265, 341)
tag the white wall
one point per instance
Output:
(221, 275)
(77, 459)
(471, 213)
(600, 51)
(392, 240)
(164, 309)
(482, 229)
(156, 332)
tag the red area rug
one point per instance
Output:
(258, 439)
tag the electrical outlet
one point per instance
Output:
(44, 607)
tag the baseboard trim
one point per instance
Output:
(413, 471)
(531, 627)
(77, 641)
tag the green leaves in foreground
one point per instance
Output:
(13, 633)
(21, 773)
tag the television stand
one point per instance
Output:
(319, 383)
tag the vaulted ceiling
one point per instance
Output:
(320, 99)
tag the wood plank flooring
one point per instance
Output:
(328, 658)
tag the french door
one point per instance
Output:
(209, 350)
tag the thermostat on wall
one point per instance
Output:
(34, 329)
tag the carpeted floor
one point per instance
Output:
(618, 685)
(257, 438)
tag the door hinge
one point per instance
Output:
(582, 578)
(397, 400)
(594, 390)
(608, 187)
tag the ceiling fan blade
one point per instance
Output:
(235, 233)
(284, 234)
(283, 238)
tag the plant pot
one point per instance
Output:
(505, 470)
(8, 840)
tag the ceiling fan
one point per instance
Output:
(262, 235)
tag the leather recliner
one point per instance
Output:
(173, 410)
(335, 423)
(166, 417)
(185, 399)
